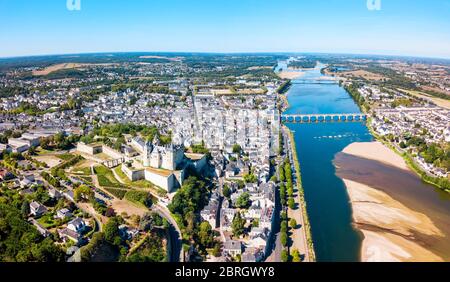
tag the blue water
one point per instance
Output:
(320, 99)
(317, 143)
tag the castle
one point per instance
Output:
(168, 157)
(165, 166)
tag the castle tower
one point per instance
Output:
(168, 158)
(155, 140)
(147, 153)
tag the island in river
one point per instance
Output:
(401, 218)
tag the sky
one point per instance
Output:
(400, 27)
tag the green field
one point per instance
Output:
(82, 168)
(106, 177)
(82, 171)
(41, 151)
(118, 193)
(47, 221)
(65, 157)
(87, 179)
(140, 198)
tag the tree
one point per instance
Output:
(283, 194)
(226, 191)
(250, 178)
(283, 215)
(284, 226)
(119, 142)
(191, 223)
(243, 201)
(139, 197)
(274, 179)
(293, 223)
(217, 250)
(47, 251)
(42, 196)
(45, 143)
(290, 191)
(157, 219)
(296, 256)
(149, 220)
(83, 192)
(288, 170)
(282, 176)
(135, 219)
(284, 255)
(291, 203)
(19, 240)
(110, 212)
(205, 235)
(111, 231)
(284, 239)
(238, 225)
(25, 209)
(403, 145)
(237, 149)
(32, 151)
(86, 252)
(192, 196)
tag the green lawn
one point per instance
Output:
(106, 177)
(41, 151)
(140, 198)
(119, 193)
(82, 168)
(87, 179)
(86, 171)
(47, 221)
(123, 177)
(144, 184)
(65, 157)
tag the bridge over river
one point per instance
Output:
(310, 118)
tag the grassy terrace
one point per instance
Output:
(106, 177)
(85, 171)
(65, 157)
(40, 151)
(82, 168)
(87, 179)
(118, 193)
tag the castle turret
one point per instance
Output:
(148, 148)
(155, 140)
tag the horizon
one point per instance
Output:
(225, 53)
(399, 28)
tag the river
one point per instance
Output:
(328, 206)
